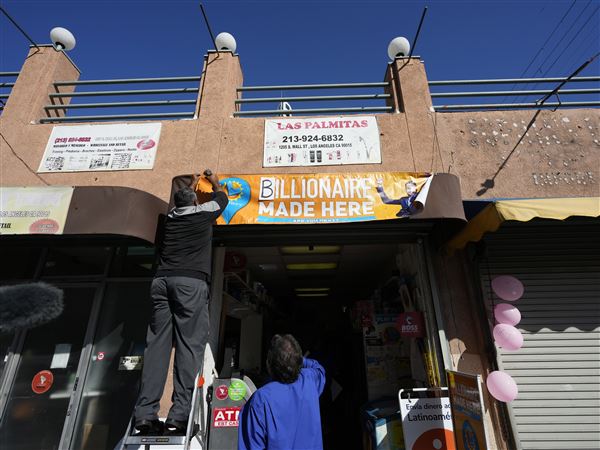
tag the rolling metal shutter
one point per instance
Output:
(558, 368)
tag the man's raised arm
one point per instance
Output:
(316, 371)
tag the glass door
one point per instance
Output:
(45, 377)
(113, 372)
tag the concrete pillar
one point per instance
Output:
(221, 77)
(410, 85)
(43, 66)
(412, 100)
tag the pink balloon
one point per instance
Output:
(508, 337)
(502, 386)
(507, 314)
(507, 288)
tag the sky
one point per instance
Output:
(303, 42)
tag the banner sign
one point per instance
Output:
(322, 197)
(34, 210)
(92, 148)
(426, 419)
(321, 141)
(467, 410)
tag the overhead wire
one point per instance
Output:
(571, 41)
(561, 39)
(543, 46)
(584, 49)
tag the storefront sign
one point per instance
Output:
(42, 382)
(87, 148)
(226, 417)
(426, 419)
(321, 141)
(322, 197)
(411, 324)
(467, 410)
(34, 210)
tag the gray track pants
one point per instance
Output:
(180, 318)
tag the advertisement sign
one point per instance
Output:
(92, 148)
(226, 417)
(42, 381)
(322, 197)
(411, 324)
(467, 410)
(34, 210)
(387, 357)
(426, 419)
(321, 141)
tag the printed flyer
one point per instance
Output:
(467, 410)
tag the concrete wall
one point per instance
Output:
(471, 348)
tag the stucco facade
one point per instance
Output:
(558, 156)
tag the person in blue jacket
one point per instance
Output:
(284, 414)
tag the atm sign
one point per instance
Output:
(226, 417)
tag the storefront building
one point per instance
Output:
(319, 253)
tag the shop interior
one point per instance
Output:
(342, 303)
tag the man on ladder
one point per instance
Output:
(180, 294)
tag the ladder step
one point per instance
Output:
(158, 440)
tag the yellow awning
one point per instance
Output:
(492, 216)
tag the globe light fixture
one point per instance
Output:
(398, 48)
(62, 39)
(225, 42)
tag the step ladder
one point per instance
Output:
(195, 428)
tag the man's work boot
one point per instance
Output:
(149, 428)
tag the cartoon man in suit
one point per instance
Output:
(407, 203)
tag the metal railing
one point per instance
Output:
(355, 105)
(167, 102)
(160, 107)
(588, 96)
(6, 87)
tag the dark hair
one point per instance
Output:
(185, 197)
(284, 359)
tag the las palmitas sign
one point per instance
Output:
(322, 198)
(321, 141)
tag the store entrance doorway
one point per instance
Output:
(332, 297)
